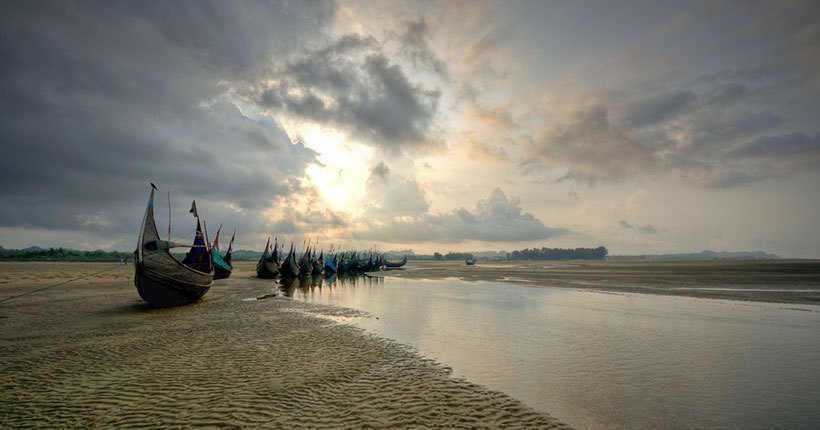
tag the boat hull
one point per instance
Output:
(221, 273)
(163, 292)
(266, 269)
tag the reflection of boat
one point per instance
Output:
(289, 285)
(222, 264)
(393, 264)
(161, 279)
(266, 267)
(470, 261)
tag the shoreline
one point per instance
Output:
(91, 353)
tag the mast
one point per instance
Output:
(169, 214)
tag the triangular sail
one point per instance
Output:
(148, 231)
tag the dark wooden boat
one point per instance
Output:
(317, 264)
(394, 264)
(330, 266)
(290, 268)
(266, 267)
(305, 266)
(161, 279)
(222, 264)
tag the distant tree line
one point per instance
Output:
(598, 253)
(458, 256)
(61, 254)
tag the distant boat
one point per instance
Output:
(330, 267)
(470, 261)
(318, 263)
(394, 264)
(266, 267)
(222, 264)
(161, 279)
(305, 264)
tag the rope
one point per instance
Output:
(58, 284)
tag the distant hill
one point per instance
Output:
(703, 255)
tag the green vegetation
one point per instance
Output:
(598, 253)
(458, 256)
(60, 254)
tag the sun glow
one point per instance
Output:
(343, 172)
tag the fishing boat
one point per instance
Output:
(305, 265)
(222, 264)
(290, 267)
(266, 267)
(161, 279)
(330, 266)
(317, 263)
(393, 264)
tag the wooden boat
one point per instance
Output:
(290, 268)
(222, 264)
(305, 265)
(161, 279)
(330, 266)
(394, 264)
(317, 264)
(266, 267)
(470, 261)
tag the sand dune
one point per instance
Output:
(91, 354)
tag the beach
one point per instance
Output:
(91, 354)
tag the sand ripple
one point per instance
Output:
(93, 356)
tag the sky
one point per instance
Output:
(646, 127)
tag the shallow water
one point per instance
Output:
(605, 360)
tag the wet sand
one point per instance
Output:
(91, 354)
(776, 281)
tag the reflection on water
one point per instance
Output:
(305, 287)
(602, 360)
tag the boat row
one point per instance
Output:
(163, 280)
(271, 264)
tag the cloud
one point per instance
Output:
(779, 147)
(593, 149)
(351, 84)
(720, 130)
(658, 108)
(415, 44)
(497, 218)
(99, 98)
(390, 196)
(646, 229)
(801, 52)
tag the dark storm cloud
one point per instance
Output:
(724, 129)
(351, 84)
(99, 98)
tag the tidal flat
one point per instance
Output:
(91, 354)
(774, 281)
